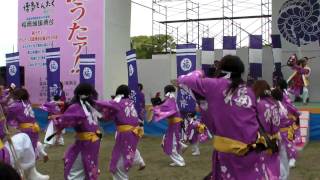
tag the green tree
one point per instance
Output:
(147, 45)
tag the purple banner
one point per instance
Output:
(277, 74)
(13, 69)
(276, 41)
(186, 63)
(207, 58)
(133, 78)
(255, 41)
(255, 56)
(208, 44)
(229, 42)
(88, 69)
(53, 72)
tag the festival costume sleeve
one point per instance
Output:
(108, 108)
(196, 81)
(165, 110)
(50, 107)
(300, 69)
(290, 107)
(72, 117)
(12, 111)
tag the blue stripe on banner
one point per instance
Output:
(87, 56)
(12, 60)
(88, 69)
(10, 55)
(230, 42)
(133, 79)
(12, 69)
(255, 70)
(276, 40)
(186, 46)
(51, 50)
(255, 41)
(131, 52)
(208, 44)
(186, 63)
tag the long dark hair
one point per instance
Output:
(261, 89)
(234, 65)
(169, 89)
(282, 85)
(123, 90)
(277, 94)
(86, 90)
(21, 94)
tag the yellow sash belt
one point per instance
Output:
(290, 131)
(34, 126)
(1, 144)
(175, 120)
(126, 128)
(88, 136)
(227, 145)
(201, 128)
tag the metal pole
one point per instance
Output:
(187, 22)
(223, 18)
(152, 43)
(198, 26)
(232, 17)
(166, 30)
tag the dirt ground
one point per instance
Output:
(308, 164)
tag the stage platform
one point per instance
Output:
(314, 120)
(312, 107)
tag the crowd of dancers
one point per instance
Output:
(254, 127)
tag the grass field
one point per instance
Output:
(308, 165)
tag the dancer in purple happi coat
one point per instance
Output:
(232, 108)
(288, 124)
(171, 142)
(125, 153)
(53, 108)
(81, 158)
(197, 132)
(20, 114)
(142, 105)
(268, 111)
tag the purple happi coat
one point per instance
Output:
(234, 117)
(290, 111)
(142, 106)
(193, 126)
(169, 109)
(76, 118)
(297, 137)
(4, 153)
(122, 112)
(51, 107)
(20, 112)
(205, 117)
(269, 116)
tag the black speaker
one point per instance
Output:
(3, 79)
